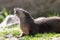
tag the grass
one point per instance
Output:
(15, 32)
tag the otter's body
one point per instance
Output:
(50, 24)
(31, 26)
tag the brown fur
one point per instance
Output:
(31, 26)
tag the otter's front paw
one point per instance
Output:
(22, 34)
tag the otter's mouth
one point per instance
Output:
(15, 10)
(18, 11)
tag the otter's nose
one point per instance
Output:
(16, 10)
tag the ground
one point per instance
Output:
(13, 34)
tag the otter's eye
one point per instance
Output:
(16, 10)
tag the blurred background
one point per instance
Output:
(37, 8)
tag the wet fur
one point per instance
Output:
(39, 25)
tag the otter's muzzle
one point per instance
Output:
(16, 10)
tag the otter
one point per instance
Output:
(31, 26)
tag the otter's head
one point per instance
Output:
(21, 13)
